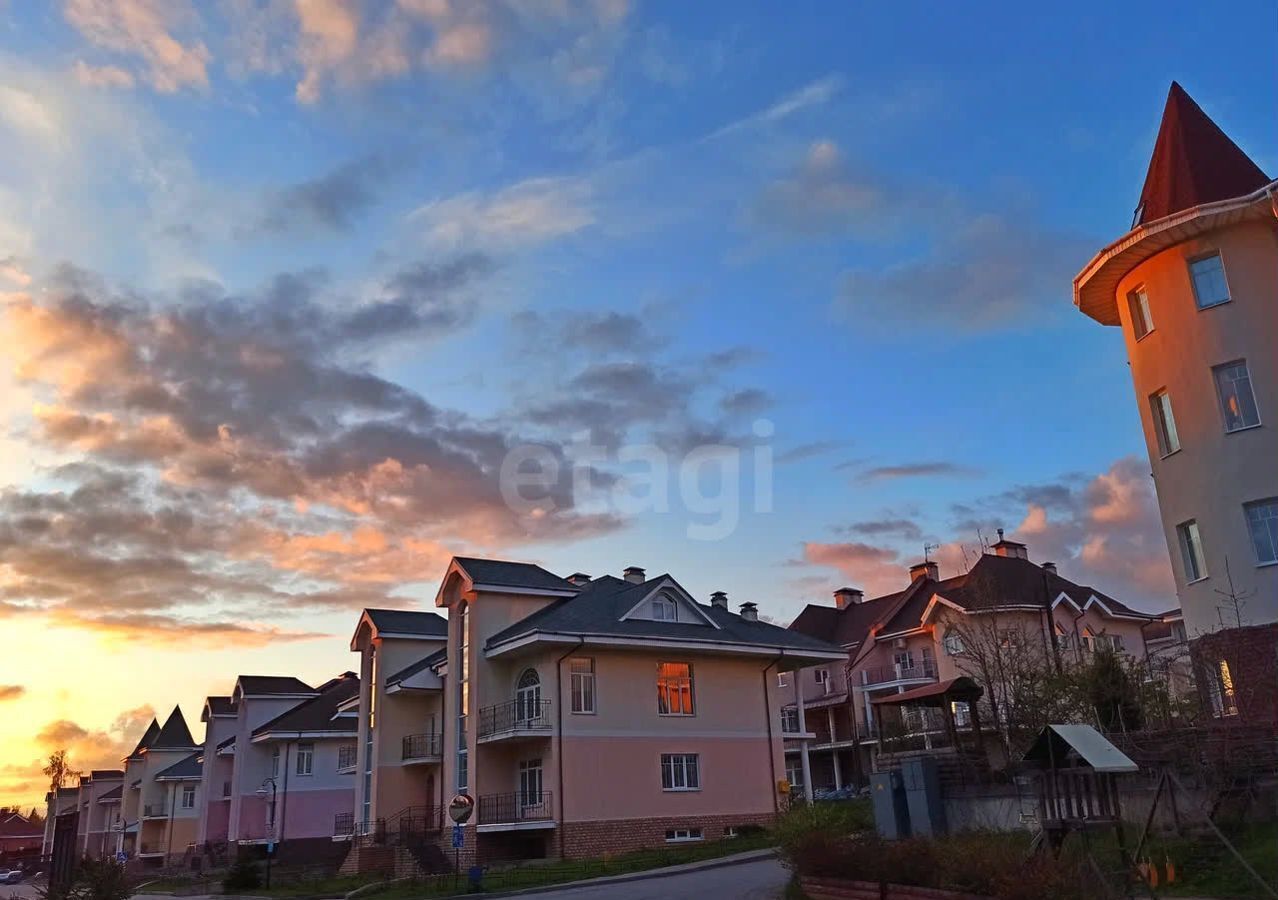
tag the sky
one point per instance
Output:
(299, 299)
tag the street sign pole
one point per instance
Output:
(460, 810)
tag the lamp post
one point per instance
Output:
(270, 838)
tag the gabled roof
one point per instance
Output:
(114, 794)
(847, 627)
(421, 665)
(148, 738)
(408, 622)
(265, 685)
(502, 573)
(105, 774)
(1193, 163)
(597, 610)
(184, 770)
(217, 706)
(315, 716)
(1068, 744)
(174, 735)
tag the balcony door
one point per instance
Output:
(528, 699)
(530, 798)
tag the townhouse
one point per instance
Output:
(910, 645)
(100, 818)
(583, 715)
(159, 804)
(19, 835)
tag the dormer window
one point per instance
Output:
(664, 609)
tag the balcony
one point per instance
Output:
(151, 850)
(155, 811)
(515, 719)
(422, 748)
(897, 674)
(519, 811)
(790, 725)
(346, 758)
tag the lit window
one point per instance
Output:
(1223, 700)
(1138, 306)
(188, 796)
(680, 772)
(305, 758)
(962, 713)
(682, 835)
(664, 609)
(1262, 522)
(1208, 276)
(581, 678)
(674, 689)
(1237, 402)
(1191, 550)
(1164, 423)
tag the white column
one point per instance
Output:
(803, 740)
(834, 753)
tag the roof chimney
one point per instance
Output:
(634, 575)
(926, 568)
(1013, 549)
(1049, 567)
(579, 578)
(749, 611)
(846, 596)
(719, 600)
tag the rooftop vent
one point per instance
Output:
(749, 611)
(927, 568)
(719, 600)
(634, 574)
(579, 578)
(846, 596)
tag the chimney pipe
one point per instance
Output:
(634, 574)
(1049, 567)
(579, 579)
(750, 611)
(926, 568)
(719, 600)
(847, 596)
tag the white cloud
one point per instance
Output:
(146, 28)
(530, 212)
(25, 112)
(101, 76)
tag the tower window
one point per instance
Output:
(1164, 423)
(1191, 550)
(1208, 275)
(1237, 402)
(1262, 523)
(1138, 306)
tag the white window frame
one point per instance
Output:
(664, 686)
(783, 680)
(532, 792)
(1190, 539)
(305, 752)
(1193, 282)
(1216, 373)
(665, 608)
(582, 687)
(1160, 407)
(1138, 310)
(188, 790)
(684, 770)
(1267, 520)
(684, 835)
(952, 643)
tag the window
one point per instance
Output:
(1208, 276)
(1223, 700)
(903, 658)
(1191, 551)
(783, 679)
(226, 788)
(528, 697)
(790, 720)
(682, 835)
(530, 783)
(1138, 306)
(962, 713)
(674, 689)
(664, 609)
(823, 679)
(1262, 522)
(188, 796)
(1064, 638)
(953, 643)
(1164, 423)
(1237, 402)
(275, 762)
(679, 772)
(581, 684)
(305, 758)
(346, 756)
(794, 774)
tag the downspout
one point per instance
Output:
(767, 717)
(278, 827)
(168, 841)
(559, 729)
(1078, 637)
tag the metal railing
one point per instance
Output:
(343, 824)
(155, 811)
(422, 746)
(897, 672)
(790, 721)
(515, 715)
(347, 757)
(520, 806)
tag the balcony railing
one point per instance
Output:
(347, 757)
(897, 672)
(521, 806)
(790, 721)
(155, 811)
(514, 716)
(422, 746)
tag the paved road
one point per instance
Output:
(763, 879)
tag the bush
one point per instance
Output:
(94, 879)
(827, 820)
(243, 875)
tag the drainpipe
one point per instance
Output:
(559, 728)
(278, 827)
(1078, 636)
(168, 842)
(767, 717)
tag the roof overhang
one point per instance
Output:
(267, 736)
(1095, 286)
(469, 585)
(793, 657)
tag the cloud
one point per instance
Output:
(145, 29)
(91, 748)
(876, 570)
(809, 450)
(905, 529)
(531, 212)
(813, 94)
(917, 470)
(331, 201)
(746, 402)
(12, 270)
(11, 692)
(822, 196)
(101, 76)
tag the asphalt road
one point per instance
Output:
(764, 879)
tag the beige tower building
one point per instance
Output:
(1194, 287)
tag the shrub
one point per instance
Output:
(94, 879)
(833, 819)
(243, 875)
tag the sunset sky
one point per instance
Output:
(282, 284)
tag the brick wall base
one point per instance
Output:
(581, 840)
(1252, 655)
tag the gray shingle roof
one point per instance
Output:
(273, 684)
(407, 621)
(189, 767)
(316, 714)
(598, 609)
(174, 735)
(148, 737)
(114, 794)
(220, 706)
(424, 663)
(512, 574)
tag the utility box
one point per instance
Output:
(891, 811)
(922, 779)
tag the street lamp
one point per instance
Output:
(270, 838)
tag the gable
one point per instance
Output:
(668, 602)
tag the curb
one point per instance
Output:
(721, 862)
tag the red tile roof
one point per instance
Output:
(1193, 163)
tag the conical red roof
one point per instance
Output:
(1194, 162)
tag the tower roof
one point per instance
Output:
(147, 739)
(1193, 163)
(174, 735)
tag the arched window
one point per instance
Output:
(664, 609)
(528, 696)
(953, 642)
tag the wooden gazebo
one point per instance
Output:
(942, 695)
(1077, 784)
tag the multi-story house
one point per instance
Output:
(19, 836)
(916, 640)
(99, 821)
(158, 813)
(1192, 286)
(58, 803)
(278, 764)
(582, 715)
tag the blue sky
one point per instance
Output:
(285, 284)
